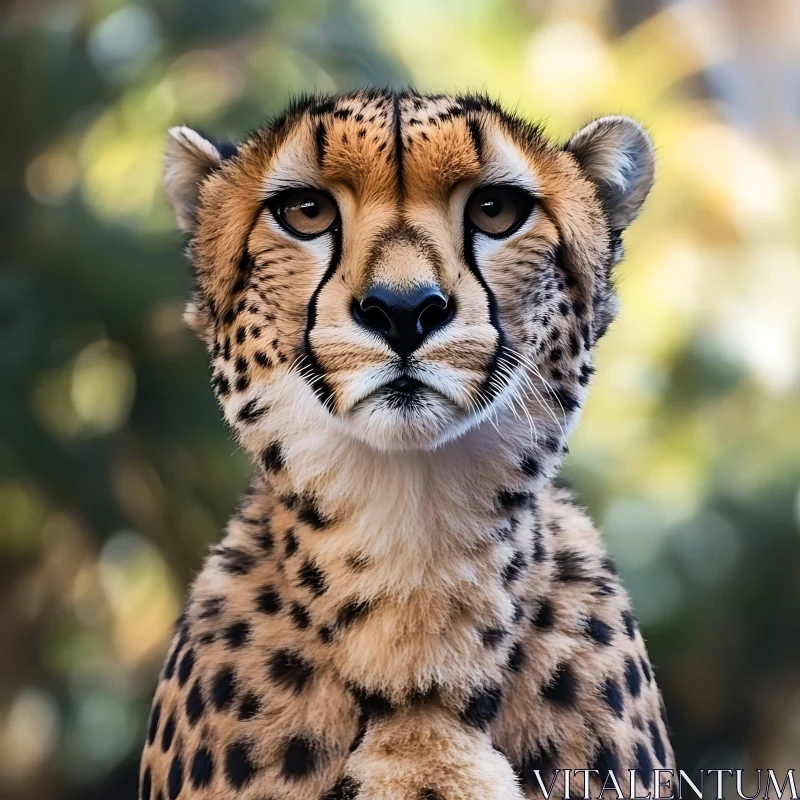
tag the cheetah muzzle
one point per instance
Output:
(401, 295)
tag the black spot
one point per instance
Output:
(646, 669)
(241, 364)
(483, 706)
(658, 743)
(300, 616)
(519, 611)
(344, 789)
(312, 577)
(508, 499)
(491, 637)
(223, 688)
(168, 734)
(352, 611)
(290, 544)
(147, 781)
(644, 764)
(600, 631)
(571, 566)
(290, 670)
(221, 386)
(195, 705)
(326, 633)
(539, 550)
(308, 512)
(264, 538)
(420, 697)
(268, 600)
(300, 757)
(250, 412)
(604, 588)
(608, 563)
(239, 766)
(250, 706)
(514, 568)
(202, 769)
(155, 717)
(530, 466)
(516, 658)
(185, 667)
(175, 777)
(542, 760)
(212, 606)
(562, 687)
(587, 370)
(272, 458)
(606, 761)
(372, 704)
(233, 560)
(633, 677)
(237, 634)
(207, 638)
(428, 794)
(630, 623)
(613, 696)
(169, 667)
(261, 358)
(242, 382)
(543, 618)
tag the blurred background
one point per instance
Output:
(115, 469)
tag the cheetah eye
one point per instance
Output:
(498, 211)
(305, 213)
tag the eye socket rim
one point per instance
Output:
(523, 212)
(276, 205)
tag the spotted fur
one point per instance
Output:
(404, 606)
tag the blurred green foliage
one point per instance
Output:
(116, 471)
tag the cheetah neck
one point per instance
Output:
(432, 543)
(420, 517)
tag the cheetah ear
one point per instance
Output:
(617, 155)
(188, 159)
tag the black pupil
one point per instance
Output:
(491, 207)
(309, 207)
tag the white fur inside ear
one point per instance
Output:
(188, 158)
(617, 155)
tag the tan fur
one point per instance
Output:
(404, 606)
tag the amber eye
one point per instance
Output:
(305, 212)
(498, 210)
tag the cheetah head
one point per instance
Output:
(402, 267)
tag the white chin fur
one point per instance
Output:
(425, 424)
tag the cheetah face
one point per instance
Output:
(403, 266)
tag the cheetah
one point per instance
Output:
(401, 295)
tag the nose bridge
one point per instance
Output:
(403, 257)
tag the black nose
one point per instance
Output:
(403, 319)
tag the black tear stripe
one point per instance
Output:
(489, 390)
(316, 374)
